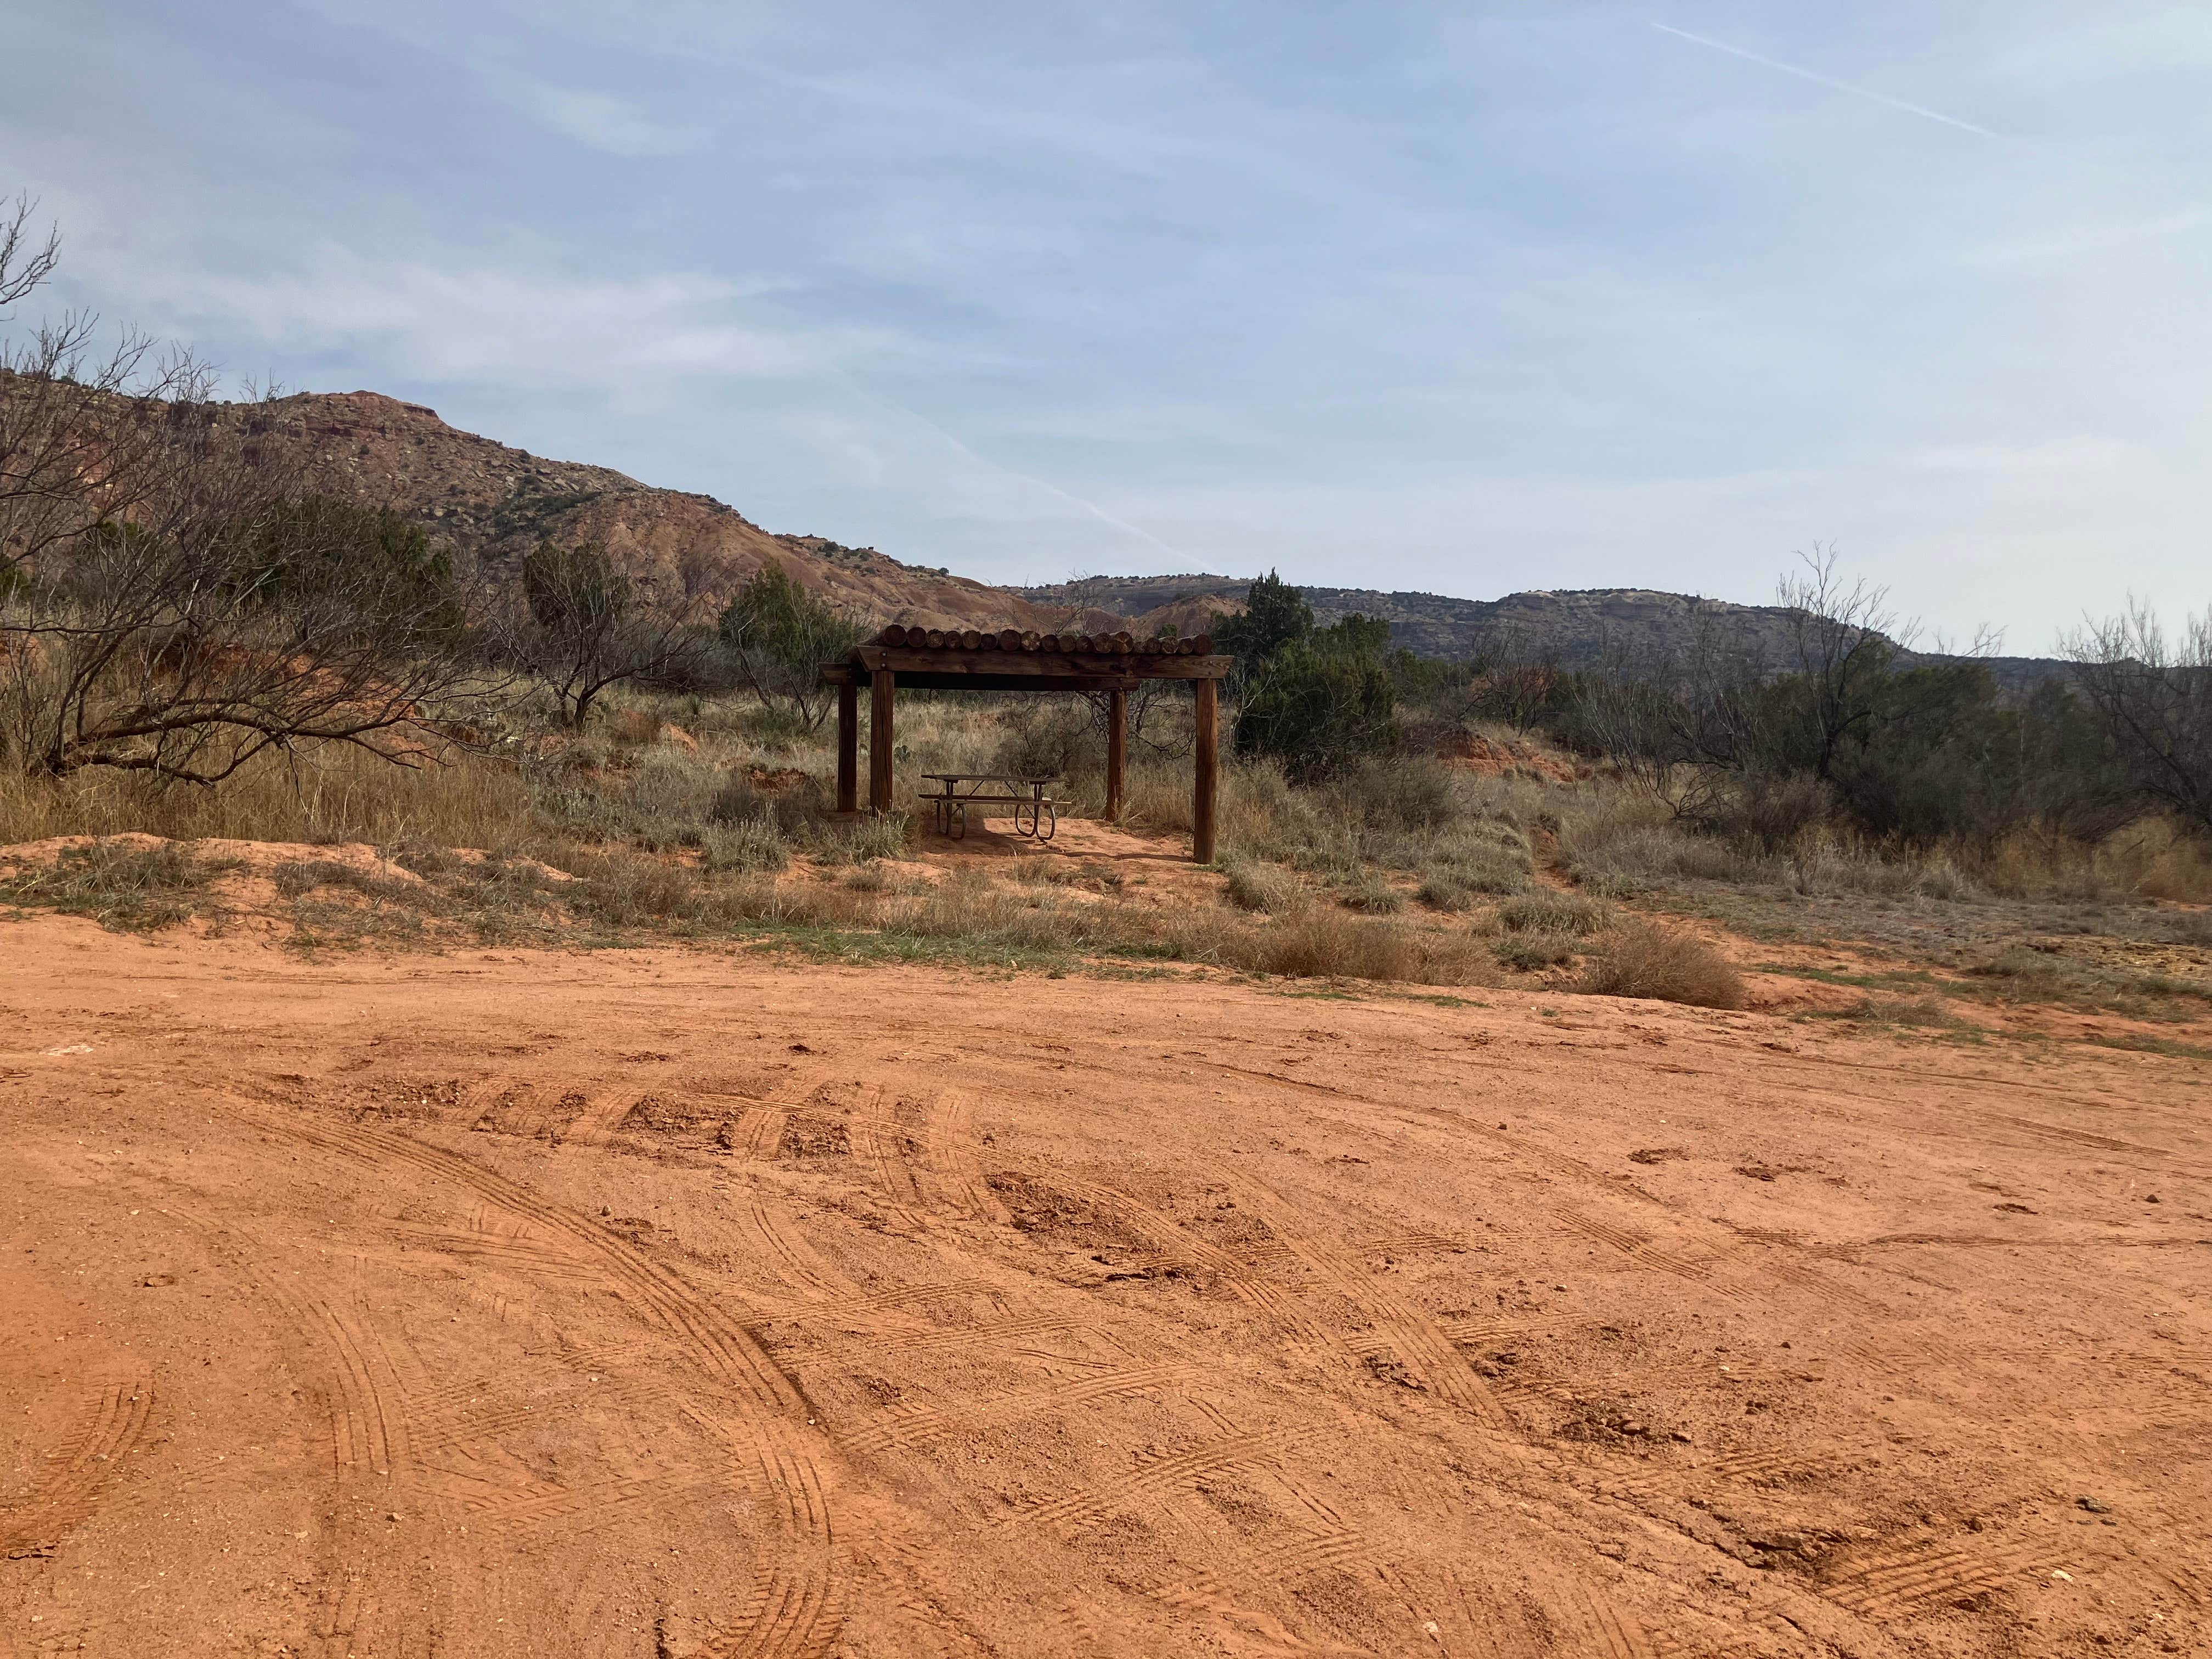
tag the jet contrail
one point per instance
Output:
(1825, 80)
(1096, 511)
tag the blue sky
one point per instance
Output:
(1463, 298)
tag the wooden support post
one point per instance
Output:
(1209, 770)
(881, 690)
(1117, 750)
(849, 747)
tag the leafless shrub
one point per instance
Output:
(589, 627)
(2153, 694)
(168, 604)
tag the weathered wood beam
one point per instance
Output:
(1117, 750)
(1208, 781)
(882, 687)
(1005, 663)
(1034, 684)
(848, 745)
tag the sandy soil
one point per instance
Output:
(665, 1304)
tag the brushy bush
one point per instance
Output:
(1543, 911)
(1377, 896)
(1644, 959)
(1529, 952)
(797, 810)
(303, 876)
(774, 729)
(1318, 709)
(624, 893)
(1322, 942)
(1444, 891)
(752, 846)
(872, 836)
(1414, 794)
(1266, 887)
(780, 635)
(1487, 855)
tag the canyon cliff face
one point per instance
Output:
(690, 552)
(689, 555)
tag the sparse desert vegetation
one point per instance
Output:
(1682, 1142)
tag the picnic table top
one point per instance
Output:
(986, 777)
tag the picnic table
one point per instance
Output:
(1035, 813)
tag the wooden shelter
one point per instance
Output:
(1011, 660)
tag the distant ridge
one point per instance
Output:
(1580, 628)
(491, 503)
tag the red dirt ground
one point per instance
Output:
(669, 1304)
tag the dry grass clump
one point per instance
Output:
(122, 886)
(1444, 890)
(1374, 895)
(1265, 887)
(2150, 859)
(1642, 959)
(330, 793)
(1546, 911)
(1531, 952)
(1324, 943)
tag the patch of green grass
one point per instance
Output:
(1923, 1013)
(1906, 979)
(2151, 1045)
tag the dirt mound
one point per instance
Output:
(683, 1304)
(228, 858)
(1504, 757)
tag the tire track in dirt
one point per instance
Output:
(369, 1431)
(1638, 1247)
(1177, 1245)
(1416, 1336)
(115, 1415)
(840, 1307)
(920, 1424)
(533, 1258)
(798, 1612)
(1889, 1583)
(956, 1337)
(601, 1117)
(517, 1107)
(370, 1451)
(1082, 1509)
(761, 1131)
(892, 1151)
(950, 1140)
(2077, 1136)
(792, 1610)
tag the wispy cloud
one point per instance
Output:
(1028, 480)
(1819, 79)
(601, 120)
(615, 335)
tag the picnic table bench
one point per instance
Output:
(1035, 813)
